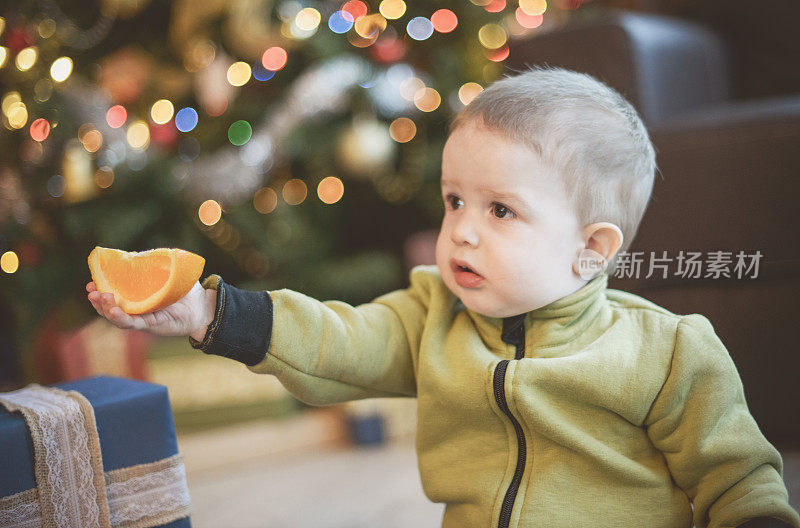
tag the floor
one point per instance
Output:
(260, 475)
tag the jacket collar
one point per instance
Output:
(552, 325)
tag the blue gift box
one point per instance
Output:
(134, 424)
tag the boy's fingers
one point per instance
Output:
(91, 287)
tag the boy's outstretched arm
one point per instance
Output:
(712, 445)
(322, 352)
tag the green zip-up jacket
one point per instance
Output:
(600, 409)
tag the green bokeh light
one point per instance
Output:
(240, 132)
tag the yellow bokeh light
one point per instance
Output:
(402, 130)
(9, 262)
(47, 28)
(239, 73)
(9, 99)
(468, 92)
(2, 25)
(492, 36)
(92, 140)
(3, 55)
(265, 200)
(294, 191)
(161, 111)
(26, 58)
(104, 177)
(138, 135)
(428, 100)
(533, 7)
(209, 212)
(17, 115)
(410, 87)
(61, 69)
(330, 190)
(308, 19)
(392, 9)
(370, 26)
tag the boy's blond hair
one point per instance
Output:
(587, 131)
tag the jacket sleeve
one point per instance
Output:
(712, 444)
(322, 352)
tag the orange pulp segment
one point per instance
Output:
(145, 281)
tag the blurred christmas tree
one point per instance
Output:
(293, 144)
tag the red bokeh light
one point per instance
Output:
(444, 20)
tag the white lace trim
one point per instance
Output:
(150, 495)
(71, 498)
(68, 466)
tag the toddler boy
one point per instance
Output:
(544, 398)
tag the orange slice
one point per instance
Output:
(145, 281)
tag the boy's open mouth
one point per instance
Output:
(465, 275)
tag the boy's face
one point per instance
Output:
(508, 218)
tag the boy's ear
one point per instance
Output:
(604, 238)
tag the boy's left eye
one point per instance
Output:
(501, 211)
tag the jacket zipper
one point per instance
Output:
(500, 398)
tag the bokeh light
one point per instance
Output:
(9, 262)
(444, 20)
(104, 177)
(209, 212)
(294, 191)
(61, 69)
(340, 22)
(40, 129)
(240, 132)
(186, 119)
(42, 90)
(17, 115)
(468, 92)
(138, 135)
(116, 116)
(274, 58)
(3, 55)
(188, 149)
(533, 7)
(428, 100)
(239, 73)
(260, 73)
(90, 137)
(9, 99)
(46, 28)
(419, 28)
(308, 19)
(392, 9)
(402, 130)
(370, 26)
(498, 55)
(356, 8)
(410, 87)
(26, 58)
(265, 200)
(495, 6)
(56, 185)
(161, 111)
(492, 36)
(199, 55)
(528, 21)
(330, 190)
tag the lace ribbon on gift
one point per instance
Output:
(72, 490)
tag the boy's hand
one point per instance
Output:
(191, 315)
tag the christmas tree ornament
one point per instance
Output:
(366, 147)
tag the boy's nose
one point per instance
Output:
(464, 232)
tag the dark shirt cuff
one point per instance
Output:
(242, 324)
(765, 522)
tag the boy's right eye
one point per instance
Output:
(453, 201)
